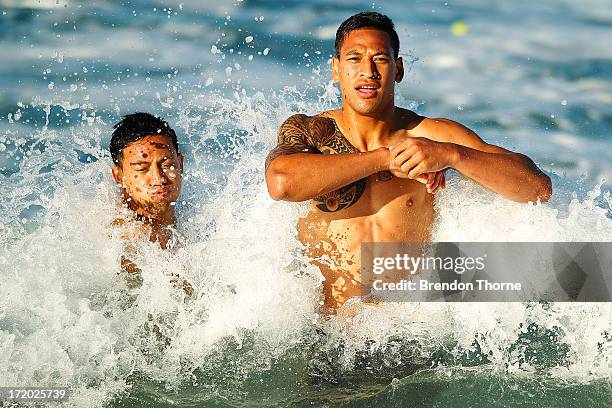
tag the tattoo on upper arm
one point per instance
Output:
(332, 141)
(319, 135)
(293, 137)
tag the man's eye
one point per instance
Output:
(353, 59)
(383, 60)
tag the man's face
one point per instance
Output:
(367, 71)
(150, 173)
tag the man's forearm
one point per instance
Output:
(512, 175)
(303, 176)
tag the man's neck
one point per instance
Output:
(157, 220)
(368, 132)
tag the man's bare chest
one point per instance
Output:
(366, 195)
(395, 210)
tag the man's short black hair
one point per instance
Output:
(136, 126)
(367, 19)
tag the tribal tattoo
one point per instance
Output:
(304, 134)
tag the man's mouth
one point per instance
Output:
(162, 192)
(367, 91)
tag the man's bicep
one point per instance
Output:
(293, 137)
(283, 150)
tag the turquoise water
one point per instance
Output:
(396, 374)
(530, 76)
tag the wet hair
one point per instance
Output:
(137, 126)
(367, 19)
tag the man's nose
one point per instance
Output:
(158, 176)
(368, 69)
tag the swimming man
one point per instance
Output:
(148, 167)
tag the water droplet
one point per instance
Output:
(248, 39)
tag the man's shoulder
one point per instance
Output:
(407, 119)
(322, 123)
(128, 229)
(326, 116)
(331, 114)
(447, 131)
(438, 129)
(437, 123)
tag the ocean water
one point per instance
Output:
(535, 77)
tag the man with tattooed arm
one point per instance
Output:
(370, 168)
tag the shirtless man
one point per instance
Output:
(371, 168)
(148, 168)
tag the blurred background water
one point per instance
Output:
(535, 77)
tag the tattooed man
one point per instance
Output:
(371, 168)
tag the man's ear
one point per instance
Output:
(181, 159)
(399, 65)
(117, 174)
(335, 69)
